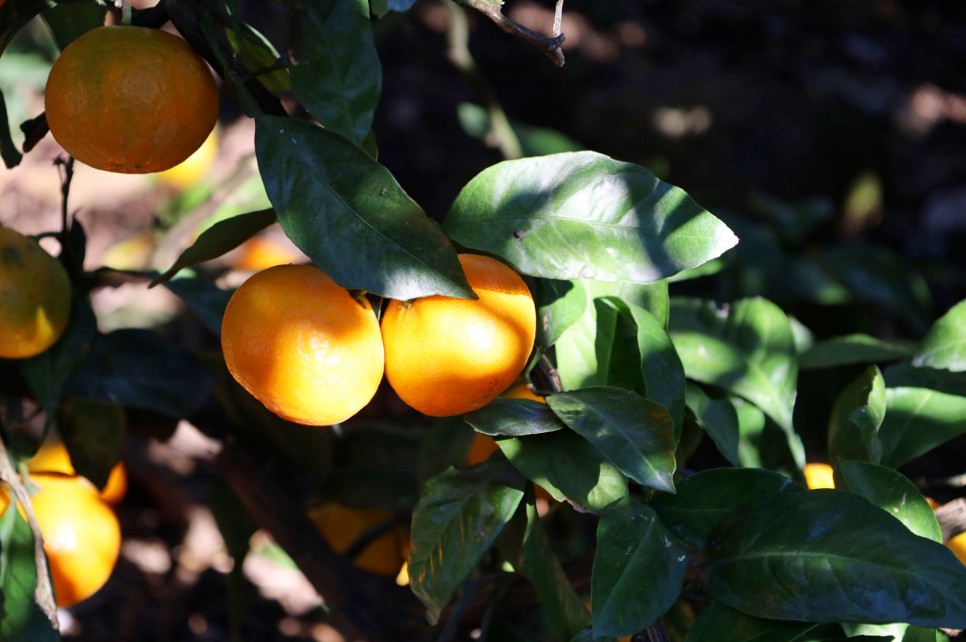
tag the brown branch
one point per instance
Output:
(549, 46)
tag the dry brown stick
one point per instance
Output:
(549, 46)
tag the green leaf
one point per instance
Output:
(221, 238)
(560, 304)
(534, 141)
(576, 345)
(337, 75)
(257, 53)
(891, 491)
(513, 418)
(350, 216)
(831, 556)
(636, 434)
(140, 369)
(615, 345)
(68, 22)
(720, 623)
(924, 409)
(704, 499)
(718, 418)
(93, 433)
(852, 349)
(205, 299)
(21, 618)
(459, 515)
(748, 349)
(582, 215)
(567, 466)
(371, 468)
(633, 544)
(853, 430)
(944, 346)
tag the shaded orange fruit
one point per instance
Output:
(520, 390)
(447, 356)
(301, 345)
(481, 448)
(34, 297)
(818, 475)
(957, 544)
(130, 99)
(342, 526)
(54, 458)
(82, 537)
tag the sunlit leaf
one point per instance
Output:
(853, 430)
(854, 348)
(944, 346)
(718, 418)
(513, 418)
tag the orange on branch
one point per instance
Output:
(342, 526)
(52, 457)
(447, 356)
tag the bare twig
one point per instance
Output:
(549, 46)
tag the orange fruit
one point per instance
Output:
(34, 297)
(481, 448)
(341, 526)
(520, 390)
(54, 458)
(192, 169)
(302, 345)
(957, 544)
(82, 537)
(819, 475)
(264, 251)
(130, 99)
(447, 356)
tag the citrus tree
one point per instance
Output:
(647, 479)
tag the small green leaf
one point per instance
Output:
(257, 53)
(831, 556)
(205, 299)
(567, 466)
(337, 75)
(513, 418)
(221, 238)
(582, 215)
(350, 216)
(853, 430)
(534, 141)
(891, 491)
(718, 418)
(560, 304)
(93, 433)
(852, 349)
(459, 516)
(636, 434)
(633, 544)
(21, 618)
(944, 346)
(704, 499)
(720, 623)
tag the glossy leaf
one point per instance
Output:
(891, 491)
(854, 348)
(924, 409)
(568, 467)
(459, 515)
(944, 346)
(21, 618)
(560, 304)
(720, 623)
(633, 544)
(513, 418)
(257, 53)
(705, 498)
(615, 345)
(636, 434)
(831, 556)
(221, 238)
(853, 430)
(350, 216)
(582, 215)
(204, 299)
(337, 74)
(718, 418)
(748, 349)
(93, 432)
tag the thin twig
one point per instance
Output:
(549, 46)
(558, 18)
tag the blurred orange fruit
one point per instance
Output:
(342, 526)
(447, 356)
(302, 345)
(192, 169)
(957, 544)
(35, 297)
(130, 99)
(264, 251)
(54, 458)
(818, 475)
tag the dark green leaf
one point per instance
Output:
(221, 238)
(513, 418)
(853, 429)
(371, 468)
(615, 346)
(350, 216)
(831, 556)
(704, 499)
(854, 348)
(459, 515)
(69, 21)
(337, 75)
(21, 617)
(944, 346)
(634, 433)
(719, 623)
(748, 349)
(445, 443)
(93, 433)
(257, 53)
(205, 299)
(891, 491)
(718, 418)
(924, 409)
(567, 466)
(235, 524)
(140, 369)
(633, 544)
(583, 215)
